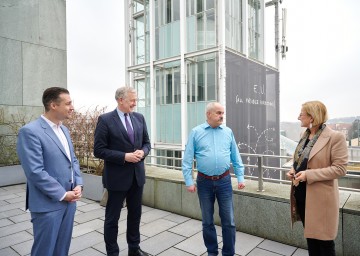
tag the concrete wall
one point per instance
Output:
(265, 214)
(32, 56)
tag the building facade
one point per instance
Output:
(185, 54)
(32, 58)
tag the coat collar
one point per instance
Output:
(118, 122)
(321, 142)
(49, 131)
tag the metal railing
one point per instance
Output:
(258, 163)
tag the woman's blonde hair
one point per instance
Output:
(317, 110)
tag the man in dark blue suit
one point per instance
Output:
(122, 140)
(53, 174)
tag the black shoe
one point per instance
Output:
(138, 252)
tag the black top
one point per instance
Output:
(300, 190)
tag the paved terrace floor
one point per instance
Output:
(162, 233)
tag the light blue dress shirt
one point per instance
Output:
(213, 149)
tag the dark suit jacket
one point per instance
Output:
(112, 143)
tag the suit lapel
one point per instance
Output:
(135, 125)
(320, 143)
(120, 125)
(49, 131)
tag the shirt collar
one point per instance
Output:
(51, 123)
(206, 125)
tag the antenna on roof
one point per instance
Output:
(284, 47)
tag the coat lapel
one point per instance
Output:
(320, 143)
(134, 124)
(120, 125)
(49, 131)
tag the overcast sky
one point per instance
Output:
(323, 61)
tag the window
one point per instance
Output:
(201, 24)
(233, 24)
(202, 80)
(256, 38)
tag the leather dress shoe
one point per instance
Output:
(138, 252)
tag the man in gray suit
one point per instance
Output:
(53, 176)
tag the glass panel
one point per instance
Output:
(138, 7)
(191, 32)
(200, 31)
(200, 84)
(177, 86)
(211, 80)
(157, 11)
(141, 93)
(175, 38)
(168, 11)
(233, 25)
(199, 6)
(140, 40)
(256, 39)
(210, 4)
(176, 10)
(210, 29)
(169, 88)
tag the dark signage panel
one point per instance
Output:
(252, 110)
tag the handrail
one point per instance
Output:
(260, 167)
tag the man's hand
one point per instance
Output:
(191, 188)
(133, 157)
(241, 185)
(140, 153)
(71, 196)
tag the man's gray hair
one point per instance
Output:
(210, 106)
(122, 92)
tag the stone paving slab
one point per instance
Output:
(8, 252)
(276, 247)
(155, 227)
(15, 228)
(10, 213)
(87, 227)
(21, 218)
(188, 228)
(23, 248)
(162, 233)
(245, 243)
(83, 242)
(261, 252)
(174, 252)
(87, 216)
(14, 239)
(194, 245)
(161, 242)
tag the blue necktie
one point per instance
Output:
(129, 129)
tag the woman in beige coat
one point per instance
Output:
(319, 160)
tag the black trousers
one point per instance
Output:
(316, 247)
(112, 214)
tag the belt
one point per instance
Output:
(215, 177)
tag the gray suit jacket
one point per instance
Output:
(47, 168)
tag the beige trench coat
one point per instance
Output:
(327, 162)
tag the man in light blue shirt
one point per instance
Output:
(214, 147)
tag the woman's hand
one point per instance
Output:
(290, 174)
(301, 176)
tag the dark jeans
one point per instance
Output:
(112, 214)
(221, 189)
(316, 247)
